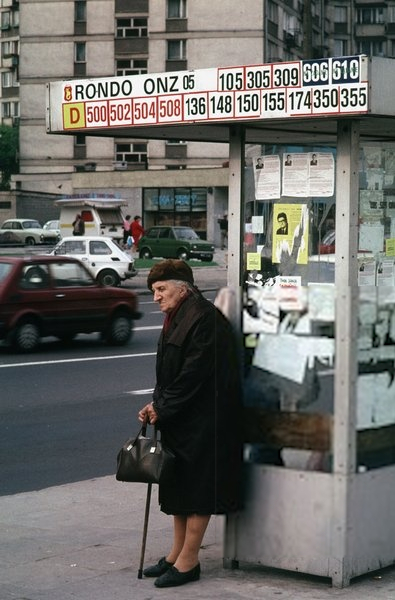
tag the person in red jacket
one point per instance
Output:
(136, 231)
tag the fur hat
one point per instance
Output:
(170, 269)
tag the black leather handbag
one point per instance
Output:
(145, 460)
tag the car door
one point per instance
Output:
(99, 256)
(165, 243)
(80, 305)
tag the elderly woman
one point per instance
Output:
(196, 406)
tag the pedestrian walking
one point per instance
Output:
(136, 231)
(223, 225)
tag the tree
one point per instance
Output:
(9, 154)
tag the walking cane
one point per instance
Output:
(145, 529)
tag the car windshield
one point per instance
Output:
(31, 225)
(329, 237)
(5, 268)
(186, 233)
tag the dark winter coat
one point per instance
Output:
(198, 400)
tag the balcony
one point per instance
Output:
(374, 30)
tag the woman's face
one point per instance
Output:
(168, 294)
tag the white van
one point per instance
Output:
(101, 216)
(107, 262)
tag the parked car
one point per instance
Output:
(175, 242)
(29, 232)
(105, 259)
(7, 238)
(57, 296)
(54, 227)
(328, 245)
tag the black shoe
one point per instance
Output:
(174, 577)
(159, 569)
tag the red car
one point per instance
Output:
(57, 296)
(328, 245)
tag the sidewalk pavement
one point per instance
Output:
(82, 541)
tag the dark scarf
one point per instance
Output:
(170, 316)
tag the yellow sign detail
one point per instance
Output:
(74, 116)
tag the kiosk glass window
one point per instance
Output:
(289, 303)
(376, 316)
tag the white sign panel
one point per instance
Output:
(330, 86)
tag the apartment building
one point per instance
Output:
(9, 61)
(101, 38)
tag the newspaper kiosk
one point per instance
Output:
(312, 250)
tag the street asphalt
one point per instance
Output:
(82, 541)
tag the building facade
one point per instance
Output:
(48, 40)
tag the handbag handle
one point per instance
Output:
(143, 432)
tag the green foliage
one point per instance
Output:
(9, 154)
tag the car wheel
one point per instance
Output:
(108, 277)
(26, 336)
(207, 258)
(120, 330)
(30, 241)
(145, 253)
(182, 254)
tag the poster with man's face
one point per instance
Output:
(290, 233)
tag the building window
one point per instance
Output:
(340, 14)
(272, 11)
(6, 110)
(176, 206)
(7, 79)
(80, 52)
(80, 11)
(340, 47)
(9, 48)
(132, 27)
(370, 16)
(176, 9)
(176, 50)
(15, 18)
(370, 48)
(5, 20)
(131, 152)
(272, 52)
(80, 139)
(131, 67)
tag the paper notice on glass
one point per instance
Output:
(281, 355)
(295, 175)
(253, 261)
(321, 302)
(308, 174)
(366, 271)
(290, 233)
(267, 177)
(289, 355)
(256, 224)
(371, 237)
(390, 247)
(385, 272)
(266, 312)
(321, 174)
